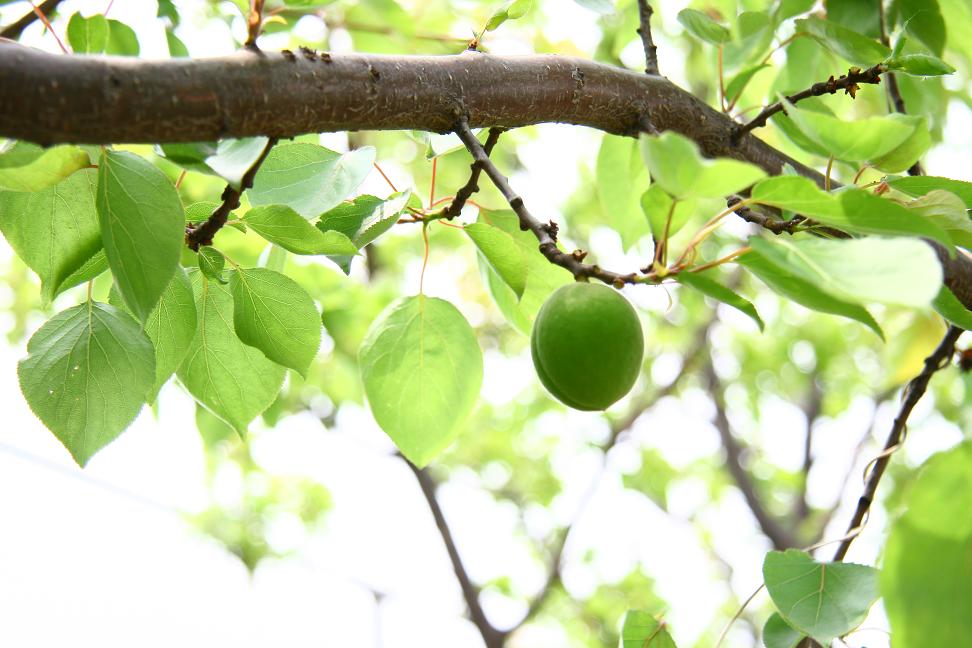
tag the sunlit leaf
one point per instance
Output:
(309, 178)
(274, 314)
(702, 27)
(821, 600)
(142, 227)
(54, 230)
(233, 380)
(856, 48)
(643, 630)
(707, 285)
(422, 369)
(677, 166)
(620, 179)
(887, 270)
(502, 253)
(88, 372)
(28, 167)
(88, 35)
(283, 226)
(925, 581)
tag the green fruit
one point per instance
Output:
(587, 346)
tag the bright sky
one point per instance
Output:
(102, 558)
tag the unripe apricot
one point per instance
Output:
(587, 346)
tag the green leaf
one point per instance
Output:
(88, 371)
(949, 307)
(542, 277)
(793, 287)
(921, 185)
(177, 48)
(903, 156)
(90, 269)
(28, 167)
(229, 159)
(142, 227)
(283, 226)
(88, 35)
(898, 271)
(274, 314)
(920, 65)
(702, 27)
(122, 40)
(171, 327)
(854, 141)
(944, 209)
(310, 178)
(861, 16)
(677, 166)
(422, 369)
(363, 220)
(502, 253)
(54, 230)
(603, 7)
(777, 634)
(509, 11)
(857, 48)
(867, 213)
(656, 204)
(211, 263)
(923, 20)
(643, 630)
(233, 380)
(621, 178)
(925, 581)
(705, 284)
(821, 600)
(790, 8)
(799, 195)
(739, 82)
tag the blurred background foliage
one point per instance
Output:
(807, 375)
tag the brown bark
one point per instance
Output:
(51, 99)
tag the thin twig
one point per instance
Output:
(14, 29)
(254, 23)
(779, 226)
(455, 207)
(913, 392)
(546, 233)
(768, 523)
(203, 234)
(847, 82)
(492, 637)
(644, 30)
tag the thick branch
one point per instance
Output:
(14, 29)
(492, 637)
(770, 525)
(50, 99)
(644, 30)
(913, 392)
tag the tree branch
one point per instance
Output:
(847, 82)
(492, 637)
(50, 99)
(811, 412)
(546, 233)
(203, 234)
(913, 392)
(771, 527)
(644, 30)
(472, 185)
(14, 29)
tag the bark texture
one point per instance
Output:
(52, 99)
